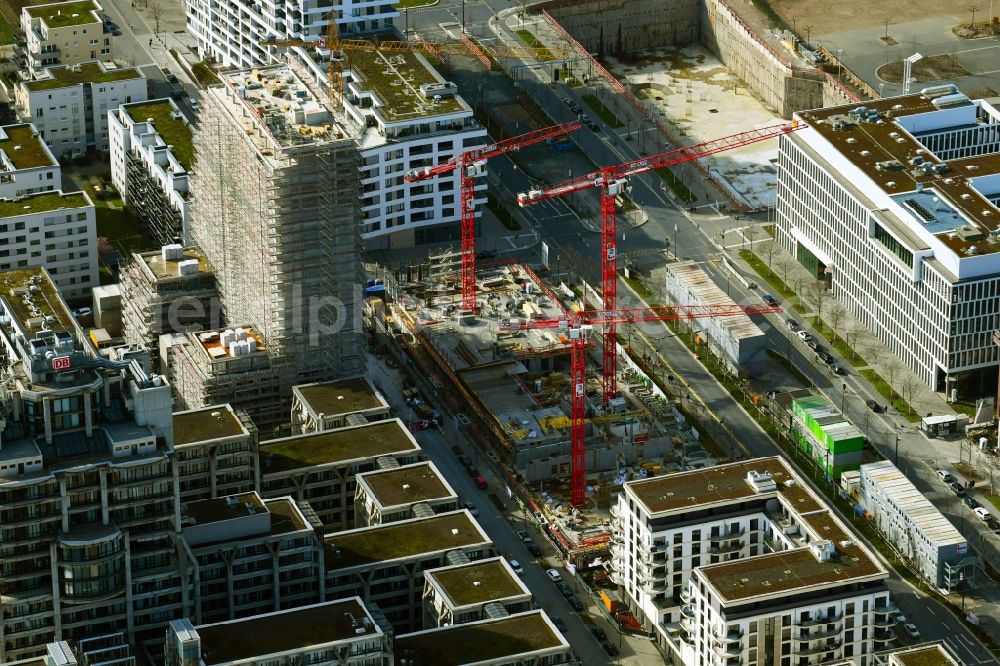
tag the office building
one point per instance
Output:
(69, 104)
(65, 33)
(242, 556)
(894, 205)
(274, 209)
(915, 526)
(385, 564)
(321, 468)
(336, 633)
(328, 405)
(412, 491)
(525, 638)
(744, 563)
(462, 593)
(171, 290)
(151, 154)
(215, 453)
(86, 486)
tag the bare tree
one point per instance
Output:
(767, 252)
(156, 13)
(874, 353)
(751, 232)
(851, 333)
(990, 464)
(819, 295)
(908, 385)
(891, 371)
(783, 264)
(836, 316)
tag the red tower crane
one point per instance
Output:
(471, 164)
(578, 326)
(613, 181)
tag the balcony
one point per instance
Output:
(815, 635)
(686, 596)
(730, 637)
(817, 620)
(726, 547)
(616, 512)
(817, 649)
(888, 609)
(732, 534)
(884, 635)
(654, 587)
(728, 649)
(688, 611)
(885, 621)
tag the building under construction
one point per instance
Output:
(275, 210)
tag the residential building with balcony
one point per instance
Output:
(412, 491)
(151, 154)
(385, 564)
(65, 33)
(27, 166)
(215, 452)
(744, 564)
(927, 654)
(327, 405)
(337, 633)
(69, 104)
(321, 468)
(242, 556)
(462, 593)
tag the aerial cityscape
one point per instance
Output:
(499, 333)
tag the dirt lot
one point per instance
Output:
(932, 68)
(845, 15)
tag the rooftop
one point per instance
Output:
(406, 485)
(724, 484)
(283, 631)
(395, 78)
(201, 425)
(47, 299)
(344, 396)
(403, 539)
(889, 140)
(212, 341)
(335, 446)
(24, 148)
(43, 202)
(480, 641)
(90, 72)
(478, 583)
(925, 655)
(165, 269)
(169, 123)
(219, 509)
(701, 289)
(62, 14)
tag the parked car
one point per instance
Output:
(792, 324)
(610, 648)
(599, 633)
(826, 357)
(533, 548)
(82, 312)
(805, 336)
(957, 488)
(594, 127)
(465, 460)
(486, 254)
(516, 566)
(472, 470)
(838, 370)
(569, 101)
(945, 475)
(564, 588)
(874, 406)
(983, 514)
(751, 285)
(769, 299)
(553, 575)
(523, 536)
(194, 104)
(900, 618)
(472, 508)
(559, 623)
(481, 482)
(912, 630)
(575, 603)
(815, 346)
(970, 502)
(172, 78)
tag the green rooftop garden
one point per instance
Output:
(40, 203)
(396, 79)
(173, 130)
(487, 641)
(6, 31)
(32, 152)
(400, 540)
(191, 427)
(62, 14)
(478, 583)
(333, 446)
(89, 73)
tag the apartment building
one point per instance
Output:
(242, 556)
(274, 210)
(65, 33)
(915, 526)
(457, 594)
(151, 154)
(86, 484)
(744, 564)
(894, 204)
(69, 104)
(27, 166)
(411, 491)
(327, 405)
(336, 633)
(172, 290)
(385, 564)
(525, 638)
(928, 654)
(215, 453)
(321, 468)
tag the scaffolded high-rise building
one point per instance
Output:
(275, 210)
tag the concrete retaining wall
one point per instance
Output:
(626, 26)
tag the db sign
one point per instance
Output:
(61, 363)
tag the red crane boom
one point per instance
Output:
(576, 324)
(613, 181)
(470, 165)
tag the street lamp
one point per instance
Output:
(675, 239)
(463, 17)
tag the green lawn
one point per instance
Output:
(994, 500)
(886, 392)
(764, 272)
(6, 31)
(410, 4)
(837, 342)
(675, 184)
(529, 38)
(204, 73)
(603, 112)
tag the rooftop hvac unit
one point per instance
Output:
(187, 267)
(439, 90)
(173, 251)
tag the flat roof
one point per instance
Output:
(921, 513)
(211, 341)
(62, 14)
(50, 303)
(285, 515)
(165, 269)
(335, 446)
(169, 123)
(402, 539)
(486, 640)
(283, 631)
(24, 147)
(406, 485)
(703, 291)
(43, 202)
(395, 77)
(219, 509)
(477, 583)
(925, 655)
(90, 72)
(684, 491)
(344, 396)
(200, 425)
